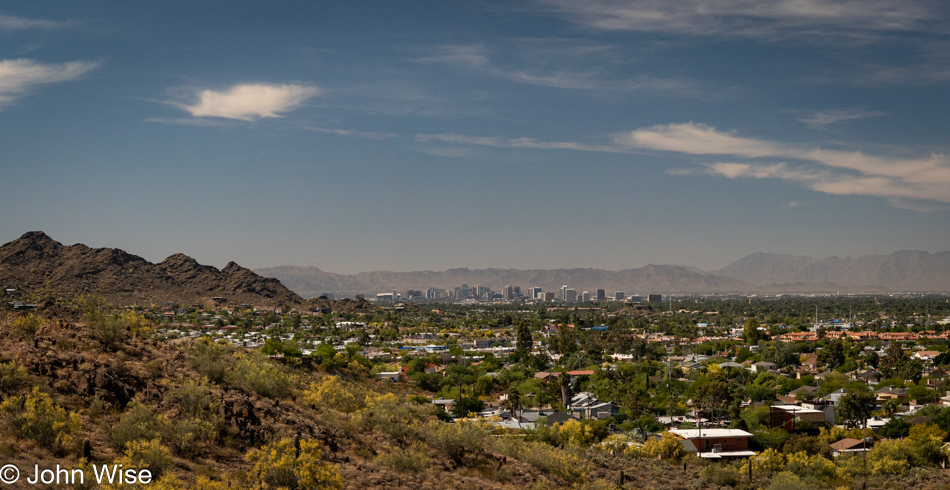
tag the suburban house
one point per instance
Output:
(716, 443)
(891, 393)
(585, 405)
(849, 446)
(788, 417)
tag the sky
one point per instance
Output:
(427, 135)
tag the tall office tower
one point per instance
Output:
(508, 293)
(548, 296)
(570, 295)
(654, 298)
(465, 292)
(601, 295)
(536, 293)
(564, 289)
(585, 297)
(619, 296)
(517, 291)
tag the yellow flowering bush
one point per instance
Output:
(331, 393)
(36, 417)
(276, 465)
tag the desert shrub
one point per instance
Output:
(189, 436)
(210, 359)
(924, 445)
(36, 417)
(576, 433)
(410, 460)
(803, 442)
(27, 324)
(666, 447)
(147, 454)
(330, 392)
(253, 372)
(13, 377)
(720, 475)
(766, 463)
(137, 324)
(786, 481)
(386, 413)
(457, 439)
(814, 468)
(888, 457)
(107, 329)
(205, 483)
(618, 443)
(193, 398)
(139, 422)
(276, 466)
(560, 464)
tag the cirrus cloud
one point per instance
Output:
(18, 77)
(826, 171)
(251, 101)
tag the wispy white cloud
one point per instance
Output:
(248, 102)
(497, 142)
(794, 204)
(912, 205)
(18, 77)
(820, 119)
(763, 19)
(11, 23)
(353, 133)
(827, 171)
(558, 63)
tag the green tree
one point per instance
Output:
(523, 332)
(855, 407)
(751, 331)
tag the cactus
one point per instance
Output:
(86, 450)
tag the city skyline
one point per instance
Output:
(438, 135)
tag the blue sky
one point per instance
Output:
(421, 135)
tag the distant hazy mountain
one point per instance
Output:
(908, 270)
(37, 263)
(310, 281)
(756, 273)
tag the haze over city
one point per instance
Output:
(364, 136)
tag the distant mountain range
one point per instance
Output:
(37, 263)
(757, 273)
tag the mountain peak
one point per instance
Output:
(38, 238)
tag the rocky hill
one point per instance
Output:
(909, 270)
(36, 263)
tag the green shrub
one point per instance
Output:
(147, 454)
(254, 372)
(139, 422)
(385, 413)
(189, 436)
(210, 359)
(720, 475)
(560, 464)
(13, 377)
(409, 460)
(455, 440)
(193, 398)
(28, 324)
